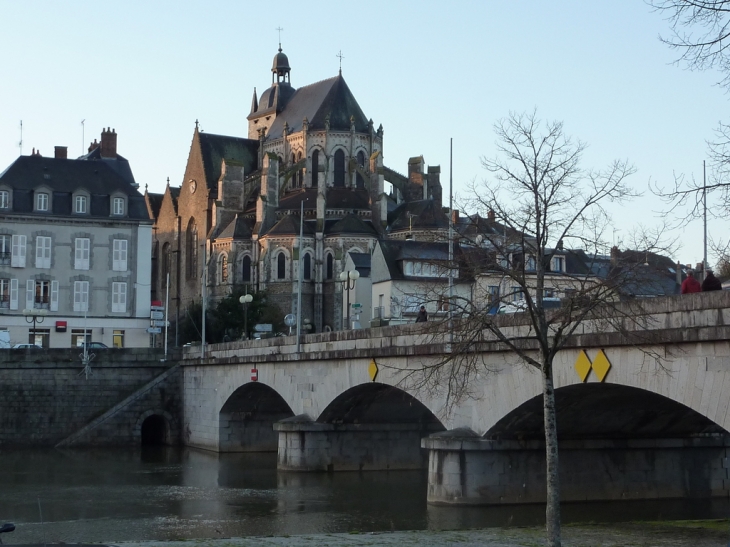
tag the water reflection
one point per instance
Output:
(165, 493)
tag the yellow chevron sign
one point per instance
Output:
(600, 365)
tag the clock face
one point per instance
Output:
(193, 186)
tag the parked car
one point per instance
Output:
(94, 345)
(27, 346)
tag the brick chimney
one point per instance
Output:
(455, 216)
(93, 146)
(61, 152)
(109, 143)
(490, 215)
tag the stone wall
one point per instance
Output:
(46, 398)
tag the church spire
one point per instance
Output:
(254, 102)
(280, 69)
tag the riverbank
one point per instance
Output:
(712, 533)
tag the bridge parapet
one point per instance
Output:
(665, 320)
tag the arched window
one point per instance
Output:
(295, 175)
(191, 250)
(281, 266)
(315, 168)
(246, 269)
(361, 162)
(330, 266)
(222, 268)
(307, 266)
(300, 172)
(340, 168)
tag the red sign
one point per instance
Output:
(61, 326)
(254, 375)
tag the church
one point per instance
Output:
(311, 164)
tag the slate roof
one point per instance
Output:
(315, 102)
(289, 226)
(215, 148)
(347, 198)
(238, 228)
(155, 202)
(65, 176)
(423, 214)
(292, 200)
(351, 225)
(362, 262)
(396, 251)
(119, 164)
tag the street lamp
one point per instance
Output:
(349, 278)
(246, 299)
(35, 316)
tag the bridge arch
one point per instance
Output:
(246, 419)
(605, 411)
(377, 403)
(155, 427)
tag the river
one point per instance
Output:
(162, 493)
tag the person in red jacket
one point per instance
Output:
(690, 284)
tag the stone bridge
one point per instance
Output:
(643, 416)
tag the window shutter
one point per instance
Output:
(13, 294)
(17, 259)
(29, 294)
(54, 295)
(119, 255)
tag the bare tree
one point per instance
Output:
(537, 205)
(700, 32)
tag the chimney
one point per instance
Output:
(109, 143)
(455, 217)
(615, 255)
(490, 215)
(61, 152)
(93, 146)
(679, 273)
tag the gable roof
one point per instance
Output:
(351, 225)
(289, 226)
(422, 214)
(331, 97)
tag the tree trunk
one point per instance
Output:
(552, 476)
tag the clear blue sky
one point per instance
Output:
(426, 70)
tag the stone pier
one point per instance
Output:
(306, 445)
(465, 469)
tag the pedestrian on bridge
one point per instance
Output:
(422, 316)
(690, 284)
(711, 283)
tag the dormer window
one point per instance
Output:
(558, 264)
(4, 199)
(80, 205)
(41, 201)
(118, 206)
(530, 264)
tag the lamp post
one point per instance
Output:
(35, 316)
(349, 278)
(246, 299)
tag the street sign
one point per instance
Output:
(160, 323)
(154, 330)
(290, 320)
(157, 315)
(356, 306)
(157, 308)
(264, 327)
(254, 375)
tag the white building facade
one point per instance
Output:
(75, 250)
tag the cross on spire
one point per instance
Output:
(339, 54)
(279, 29)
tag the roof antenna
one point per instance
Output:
(83, 139)
(279, 29)
(20, 143)
(341, 57)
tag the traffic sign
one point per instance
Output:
(154, 330)
(356, 306)
(264, 327)
(160, 323)
(157, 315)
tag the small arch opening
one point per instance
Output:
(154, 431)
